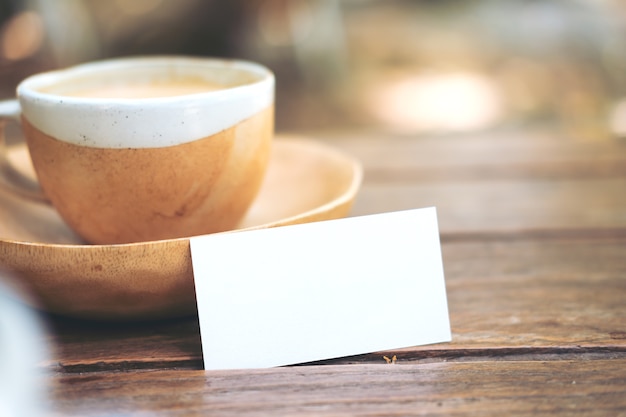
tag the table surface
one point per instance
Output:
(533, 232)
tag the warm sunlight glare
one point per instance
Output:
(436, 102)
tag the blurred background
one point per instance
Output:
(431, 67)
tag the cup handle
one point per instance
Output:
(10, 177)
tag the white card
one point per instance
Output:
(320, 290)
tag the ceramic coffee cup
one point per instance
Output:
(149, 148)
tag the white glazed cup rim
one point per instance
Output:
(29, 86)
(146, 122)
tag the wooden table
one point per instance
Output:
(533, 230)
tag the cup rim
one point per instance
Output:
(28, 88)
(151, 121)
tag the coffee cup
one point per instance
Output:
(148, 148)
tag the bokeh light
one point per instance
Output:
(436, 102)
(22, 36)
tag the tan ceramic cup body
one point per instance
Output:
(121, 170)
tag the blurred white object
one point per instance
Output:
(22, 353)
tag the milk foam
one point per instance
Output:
(145, 90)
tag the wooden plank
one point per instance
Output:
(514, 297)
(590, 388)
(505, 182)
(511, 155)
(529, 293)
(505, 205)
(87, 346)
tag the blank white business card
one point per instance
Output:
(320, 290)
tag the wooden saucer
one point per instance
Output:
(307, 181)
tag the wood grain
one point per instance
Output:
(525, 297)
(533, 236)
(590, 388)
(522, 154)
(505, 205)
(504, 182)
